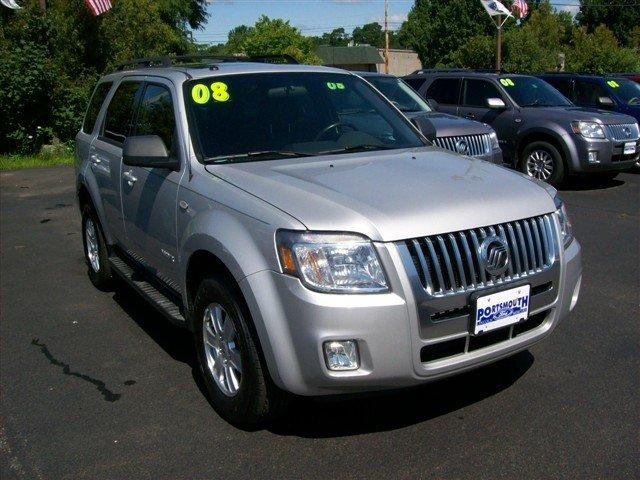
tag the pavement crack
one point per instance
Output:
(108, 395)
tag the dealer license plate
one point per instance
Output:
(630, 148)
(501, 309)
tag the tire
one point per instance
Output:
(547, 158)
(243, 394)
(95, 250)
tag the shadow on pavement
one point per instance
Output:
(586, 182)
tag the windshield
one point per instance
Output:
(253, 117)
(400, 94)
(626, 90)
(533, 92)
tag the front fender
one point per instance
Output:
(561, 137)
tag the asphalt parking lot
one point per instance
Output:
(97, 385)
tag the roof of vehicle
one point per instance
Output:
(375, 74)
(456, 72)
(581, 75)
(209, 66)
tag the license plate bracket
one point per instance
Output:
(499, 308)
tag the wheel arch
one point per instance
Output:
(544, 135)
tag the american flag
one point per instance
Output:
(520, 8)
(96, 7)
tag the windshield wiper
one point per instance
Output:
(536, 103)
(273, 154)
(355, 148)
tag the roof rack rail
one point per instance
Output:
(203, 60)
(457, 70)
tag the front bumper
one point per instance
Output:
(293, 322)
(610, 154)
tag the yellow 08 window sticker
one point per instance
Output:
(613, 84)
(201, 94)
(335, 86)
(507, 82)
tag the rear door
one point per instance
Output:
(149, 195)
(106, 152)
(475, 93)
(445, 91)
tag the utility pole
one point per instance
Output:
(499, 45)
(386, 36)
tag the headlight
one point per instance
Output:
(566, 229)
(330, 262)
(588, 129)
(494, 140)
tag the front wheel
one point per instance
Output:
(543, 161)
(237, 381)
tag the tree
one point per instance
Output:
(369, 34)
(436, 29)
(276, 37)
(336, 38)
(600, 53)
(236, 39)
(618, 17)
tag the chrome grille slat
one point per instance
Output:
(619, 132)
(478, 144)
(450, 263)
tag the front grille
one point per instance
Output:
(626, 132)
(450, 263)
(478, 145)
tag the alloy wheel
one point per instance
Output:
(221, 349)
(91, 241)
(539, 165)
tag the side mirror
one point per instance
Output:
(605, 102)
(147, 151)
(496, 103)
(433, 104)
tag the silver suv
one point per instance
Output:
(308, 252)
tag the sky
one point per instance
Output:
(312, 17)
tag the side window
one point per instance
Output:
(563, 85)
(156, 117)
(444, 91)
(587, 93)
(476, 93)
(415, 83)
(99, 94)
(119, 117)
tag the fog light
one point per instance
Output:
(341, 355)
(593, 157)
(576, 294)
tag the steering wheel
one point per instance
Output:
(634, 101)
(335, 125)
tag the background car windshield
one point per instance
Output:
(400, 94)
(626, 90)
(291, 112)
(532, 91)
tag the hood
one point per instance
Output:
(580, 113)
(391, 196)
(448, 125)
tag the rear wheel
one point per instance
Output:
(542, 161)
(235, 375)
(95, 250)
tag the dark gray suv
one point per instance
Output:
(541, 132)
(459, 135)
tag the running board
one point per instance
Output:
(162, 302)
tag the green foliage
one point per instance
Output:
(237, 37)
(436, 29)
(620, 18)
(276, 37)
(477, 52)
(52, 59)
(336, 38)
(369, 34)
(599, 52)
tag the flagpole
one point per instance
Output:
(499, 45)
(386, 36)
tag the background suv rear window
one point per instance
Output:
(444, 91)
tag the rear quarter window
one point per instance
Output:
(95, 104)
(415, 83)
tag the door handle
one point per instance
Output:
(470, 116)
(95, 159)
(129, 177)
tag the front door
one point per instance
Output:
(473, 106)
(149, 195)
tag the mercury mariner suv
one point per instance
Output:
(309, 250)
